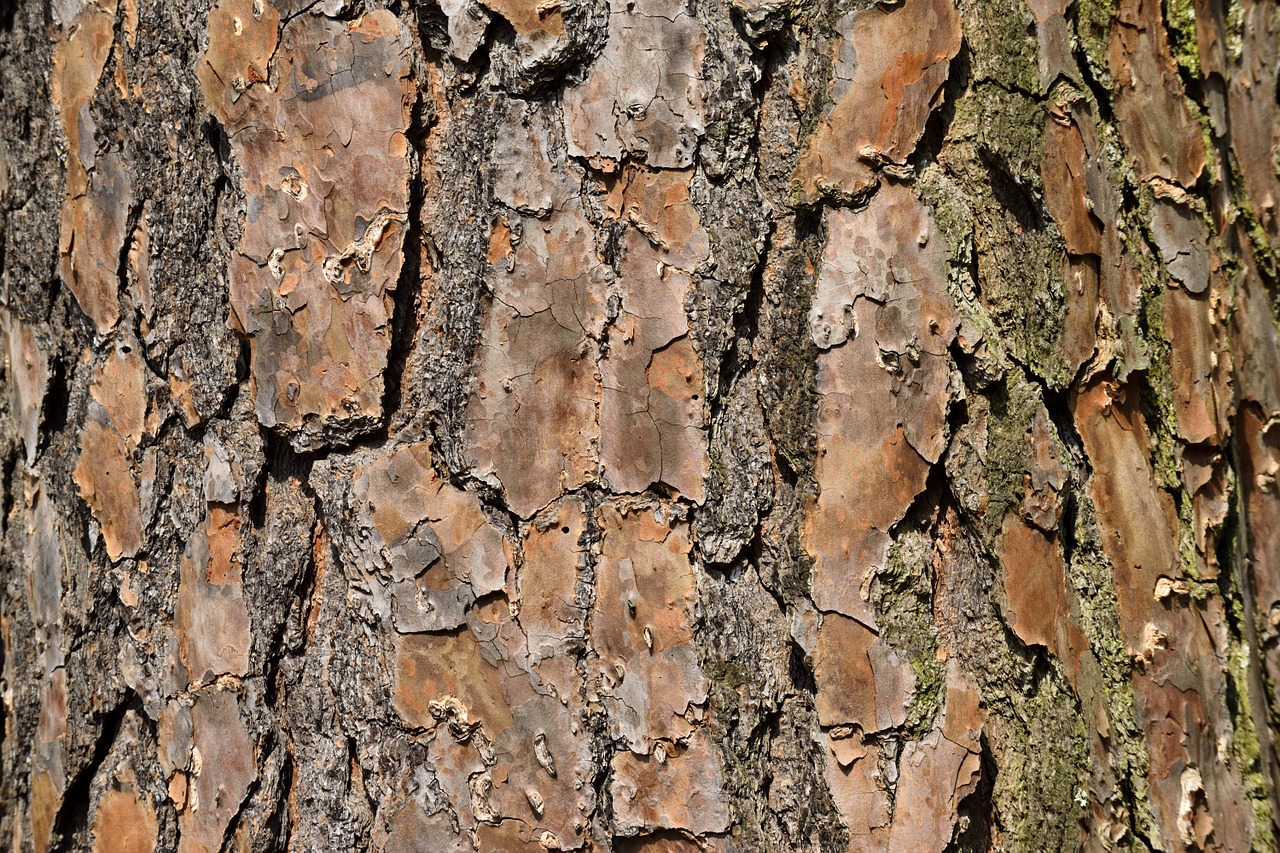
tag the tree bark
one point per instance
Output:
(639, 425)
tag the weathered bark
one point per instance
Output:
(738, 425)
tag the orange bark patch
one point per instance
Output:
(1040, 608)
(504, 750)
(889, 69)
(1137, 520)
(123, 823)
(652, 416)
(443, 678)
(680, 790)
(99, 192)
(119, 386)
(532, 417)
(105, 479)
(860, 680)
(210, 616)
(222, 775)
(1158, 130)
(641, 627)
(1198, 363)
(530, 16)
(28, 370)
(884, 320)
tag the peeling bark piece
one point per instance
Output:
(48, 779)
(243, 37)
(324, 159)
(860, 795)
(1182, 238)
(115, 425)
(428, 547)
(503, 751)
(1054, 39)
(1040, 607)
(643, 95)
(891, 255)
(1082, 193)
(210, 616)
(884, 320)
(1045, 476)
(28, 371)
(467, 23)
(124, 823)
(444, 679)
(963, 716)
(532, 417)
(527, 174)
(657, 203)
(860, 679)
(94, 228)
(1070, 183)
(1199, 364)
(890, 65)
(539, 29)
(652, 417)
(1252, 97)
(98, 191)
(550, 613)
(119, 386)
(642, 630)
(1157, 127)
(682, 791)
(44, 561)
(1067, 176)
(223, 768)
(104, 476)
(934, 775)
(529, 17)
(1137, 520)
(1169, 641)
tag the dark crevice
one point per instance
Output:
(938, 124)
(72, 818)
(57, 401)
(976, 813)
(404, 319)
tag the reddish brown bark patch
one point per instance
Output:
(326, 176)
(889, 69)
(884, 320)
(124, 823)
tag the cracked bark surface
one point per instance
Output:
(653, 427)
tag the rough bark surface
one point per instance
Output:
(640, 425)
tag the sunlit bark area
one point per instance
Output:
(650, 426)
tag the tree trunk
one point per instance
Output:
(640, 425)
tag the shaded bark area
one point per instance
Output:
(728, 425)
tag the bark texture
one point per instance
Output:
(649, 426)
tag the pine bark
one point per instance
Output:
(639, 425)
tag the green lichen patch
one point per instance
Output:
(904, 606)
(1181, 15)
(1002, 44)
(1093, 31)
(997, 142)
(1040, 795)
